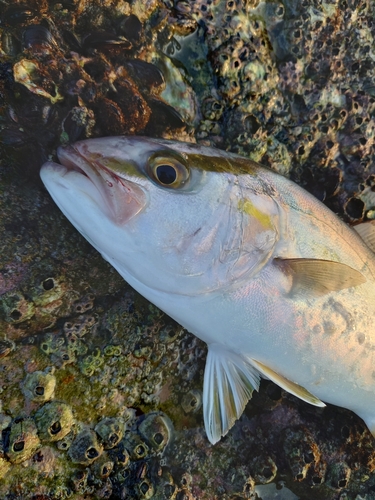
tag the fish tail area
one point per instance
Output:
(229, 381)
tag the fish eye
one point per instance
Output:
(166, 174)
(168, 170)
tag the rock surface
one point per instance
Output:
(101, 392)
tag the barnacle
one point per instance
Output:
(102, 468)
(79, 481)
(192, 401)
(91, 363)
(16, 307)
(338, 475)
(169, 333)
(145, 488)
(264, 470)
(51, 344)
(81, 325)
(39, 386)
(64, 443)
(22, 440)
(54, 421)
(85, 447)
(120, 457)
(165, 486)
(156, 429)
(302, 452)
(110, 431)
(135, 445)
(113, 350)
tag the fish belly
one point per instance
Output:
(325, 344)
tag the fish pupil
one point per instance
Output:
(166, 174)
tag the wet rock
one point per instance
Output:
(302, 452)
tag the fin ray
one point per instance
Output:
(319, 277)
(288, 385)
(229, 381)
(366, 231)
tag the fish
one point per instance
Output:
(274, 283)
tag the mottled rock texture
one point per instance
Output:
(101, 392)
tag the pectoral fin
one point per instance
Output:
(229, 381)
(319, 277)
(366, 231)
(288, 385)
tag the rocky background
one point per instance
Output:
(100, 392)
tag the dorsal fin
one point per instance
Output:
(229, 381)
(319, 277)
(366, 231)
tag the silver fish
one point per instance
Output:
(265, 274)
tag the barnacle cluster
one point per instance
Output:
(52, 423)
(100, 393)
(294, 91)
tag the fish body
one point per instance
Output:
(249, 262)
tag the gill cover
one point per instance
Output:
(195, 226)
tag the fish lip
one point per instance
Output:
(123, 198)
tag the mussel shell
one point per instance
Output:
(10, 44)
(38, 37)
(103, 40)
(18, 14)
(97, 67)
(71, 39)
(159, 18)
(110, 117)
(133, 105)
(323, 183)
(131, 27)
(79, 85)
(12, 137)
(145, 74)
(68, 4)
(163, 117)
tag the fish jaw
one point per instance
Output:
(120, 199)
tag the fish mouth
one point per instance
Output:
(123, 199)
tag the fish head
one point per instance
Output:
(169, 215)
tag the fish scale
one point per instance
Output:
(274, 282)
